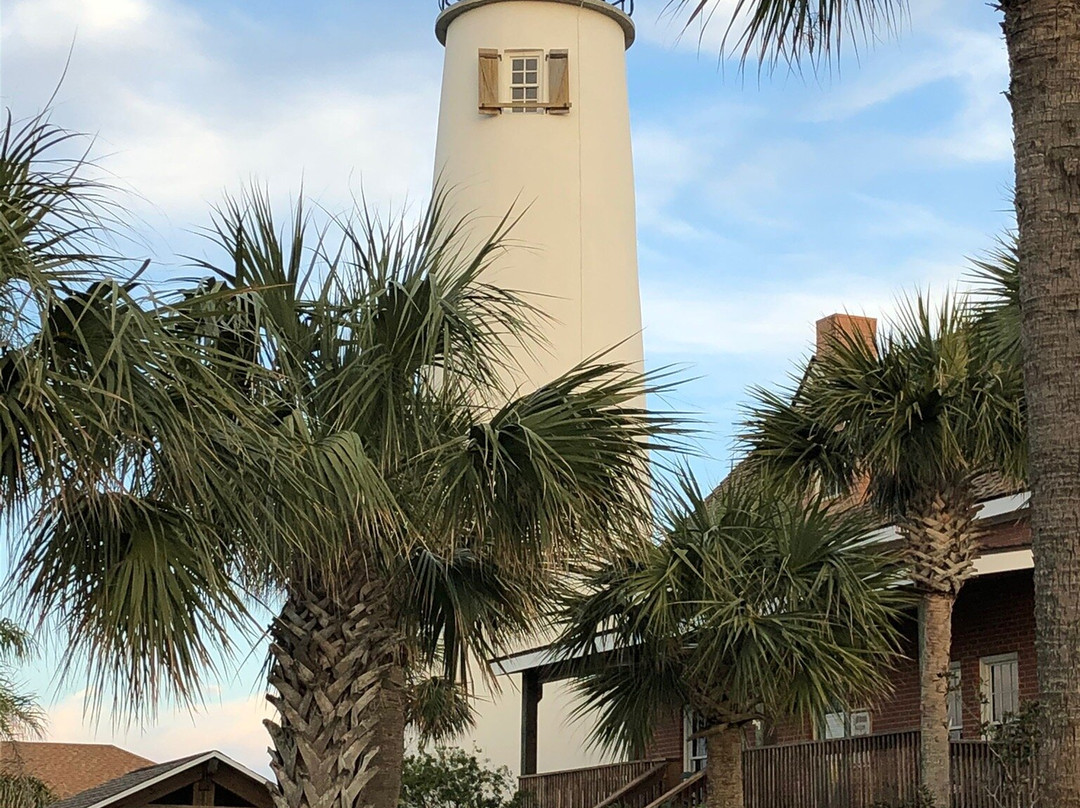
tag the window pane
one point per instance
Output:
(835, 725)
(1010, 691)
(1004, 684)
(517, 78)
(956, 704)
(530, 78)
(519, 64)
(518, 93)
(531, 64)
(530, 93)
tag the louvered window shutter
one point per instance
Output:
(559, 82)
(489, 82)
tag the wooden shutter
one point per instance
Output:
(559, 82)
(489, 82)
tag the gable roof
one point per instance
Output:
(131, 783)
(68, 768)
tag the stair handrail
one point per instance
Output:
(685, 785)
(633, 785)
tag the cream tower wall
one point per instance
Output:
(570, 178)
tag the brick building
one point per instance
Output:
(993, 656)
(992, 671)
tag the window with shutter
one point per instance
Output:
(489, 82)
(559, 82)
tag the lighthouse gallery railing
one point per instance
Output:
(624, 5)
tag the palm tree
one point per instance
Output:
(438, 504)
(1044, 62)
(19, 716)
(914, 420)
(119, 439)
(753, 606)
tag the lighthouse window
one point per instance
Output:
(525, 81)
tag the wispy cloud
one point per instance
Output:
(232, 726)
(185, 109)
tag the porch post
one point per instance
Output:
(532, 690)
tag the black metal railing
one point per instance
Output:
(624, 5)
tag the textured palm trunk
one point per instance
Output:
(723, 770)
(935, 642)
(941, 543)
(337, 672)
(1043, 39)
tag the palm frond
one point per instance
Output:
(926, 406)
(756, 604)
(438, 710)
(145, 593)
(786, 31)
(996, 281)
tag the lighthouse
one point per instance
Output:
(534, 119)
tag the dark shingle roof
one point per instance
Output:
(116, 787)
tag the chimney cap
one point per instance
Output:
(829, 328)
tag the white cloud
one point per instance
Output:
(775, 322)
(184, 110)
(233, 727)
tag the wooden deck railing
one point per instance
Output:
(582, 788)
(847, 773)
(981, 780)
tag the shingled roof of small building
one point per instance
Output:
(69, 768)
(124, 783)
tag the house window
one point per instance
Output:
(955, 702)
(525, 80)
(1000, 687)
(695, 750)
(843, 724)
(834, 726)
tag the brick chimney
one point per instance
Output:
(830, 328)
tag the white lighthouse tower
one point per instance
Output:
(535, 118)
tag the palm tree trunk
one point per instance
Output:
(1043, 39)
(338, 676)
(723, 769)
(941, 543)
(935, 642)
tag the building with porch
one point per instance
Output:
(852, 759)
(534, 122)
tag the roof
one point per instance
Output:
(107, 793)
(68, 768)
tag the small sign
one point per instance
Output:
(860, 723)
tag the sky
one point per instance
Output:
(765, 201)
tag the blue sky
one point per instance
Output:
(765, 202)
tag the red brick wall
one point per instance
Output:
(1008, 535)
(667, 739)
(996, 615)
(993, 615)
